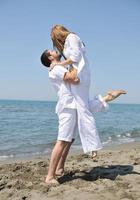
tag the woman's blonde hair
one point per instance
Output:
(58, 36)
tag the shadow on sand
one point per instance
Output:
(110, 172)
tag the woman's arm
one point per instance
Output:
(63, 63)
(73, 46)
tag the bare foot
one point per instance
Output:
(94, 155)
(59, 172)
(51, 182)
(113, 94)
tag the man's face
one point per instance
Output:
(54, 54)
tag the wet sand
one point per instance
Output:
(115, 175)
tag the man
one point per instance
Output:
(66, 109)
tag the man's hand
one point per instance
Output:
(76, 81)
(71, 76)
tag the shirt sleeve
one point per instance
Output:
(58, 72)
(74, 45)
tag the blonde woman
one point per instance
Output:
(72, 48)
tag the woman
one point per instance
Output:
(72, 49)
(69, 45)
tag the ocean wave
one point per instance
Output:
(24, 155)
(135, 133)
(5, 157)
(121, 138)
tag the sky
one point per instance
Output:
(110, 30)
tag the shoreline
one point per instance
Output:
(73, 152)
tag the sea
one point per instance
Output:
(29, 128)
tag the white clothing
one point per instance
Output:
(68, 125)
(75, 50)
(65, 98)
(87, 130)
(68, 121)
(67, 113)
(97, 104)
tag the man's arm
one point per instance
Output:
(61, 73)
(71, 76)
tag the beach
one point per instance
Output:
(114, 175)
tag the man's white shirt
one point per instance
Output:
(63, 89)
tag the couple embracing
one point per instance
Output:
(71, 80)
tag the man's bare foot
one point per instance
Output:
(113, 94)
(51, 182)
(59, 172)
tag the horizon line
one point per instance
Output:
(56, 101)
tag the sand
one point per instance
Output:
(115, 175)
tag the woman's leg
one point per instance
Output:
(99, 103)
(55, 157)
(111, 95)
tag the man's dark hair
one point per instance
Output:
(45, 58)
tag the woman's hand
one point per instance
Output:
(62, 63)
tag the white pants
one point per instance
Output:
(68, 124)
(72, 121)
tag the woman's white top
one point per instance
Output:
(75, 50)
